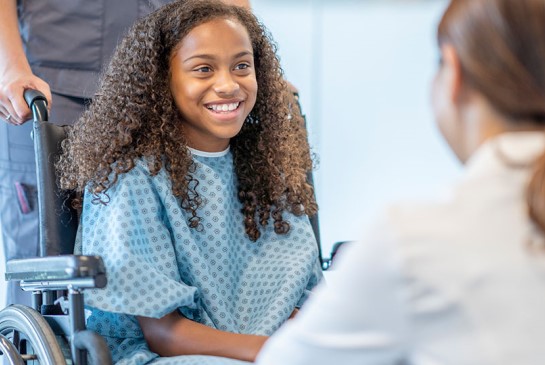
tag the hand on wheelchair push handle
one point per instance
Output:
(13, 108)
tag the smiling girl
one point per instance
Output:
(193, 173)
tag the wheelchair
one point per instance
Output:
(53, 331)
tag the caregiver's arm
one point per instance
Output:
(15, 73)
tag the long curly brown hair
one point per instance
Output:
(133, 116)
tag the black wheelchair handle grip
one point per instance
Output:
(37, 102)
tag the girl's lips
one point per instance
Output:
(224, 106)
(225, 111)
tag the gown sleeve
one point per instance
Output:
(131, 233)
(315, 277)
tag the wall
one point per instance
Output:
(363, 69)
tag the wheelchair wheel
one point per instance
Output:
(31, 335)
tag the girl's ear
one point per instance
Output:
(453, 72)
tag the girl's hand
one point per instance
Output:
(294, 313)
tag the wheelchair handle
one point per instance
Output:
(37, 102)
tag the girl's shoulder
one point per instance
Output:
(140, 176)
(134, 185)
(142, 169)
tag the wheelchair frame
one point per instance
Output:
(53, 331)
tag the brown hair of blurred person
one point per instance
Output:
(501, 50)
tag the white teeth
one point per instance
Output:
(223, 107)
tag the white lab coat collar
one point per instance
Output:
(510, 150)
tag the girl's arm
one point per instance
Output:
(175, 335)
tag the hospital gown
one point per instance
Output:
(214, 275)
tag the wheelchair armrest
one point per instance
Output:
(336, 247)
(58, 272)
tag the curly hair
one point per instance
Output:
(133, 116)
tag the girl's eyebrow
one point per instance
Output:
(210, 57)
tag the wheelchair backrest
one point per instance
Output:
(58, 221)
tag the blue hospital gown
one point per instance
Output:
(216, 276)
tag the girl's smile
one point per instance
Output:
(226, 110)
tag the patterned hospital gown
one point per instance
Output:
(216, 276)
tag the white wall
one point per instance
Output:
(363, 69)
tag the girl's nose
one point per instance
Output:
(226, 85)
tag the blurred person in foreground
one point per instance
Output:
(459, 281)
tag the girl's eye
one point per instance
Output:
(242, 66)
(203, 69)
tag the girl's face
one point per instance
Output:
(213, 82)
